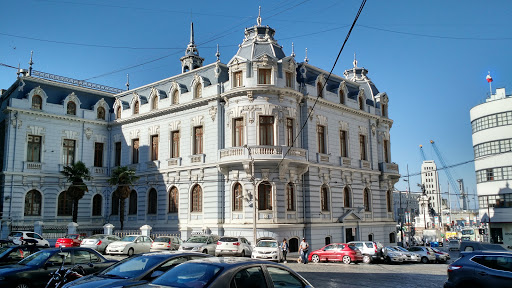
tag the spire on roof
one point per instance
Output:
(127, 81)
(30, 63)
(191, 60)
(306, 58)
(293, 51)
(218, 53)
(258, 20)
(191, 32)
(355, 60)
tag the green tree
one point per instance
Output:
(76, 173)
(122, 177)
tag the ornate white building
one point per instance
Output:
(314, 154)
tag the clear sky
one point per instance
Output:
(431, 57)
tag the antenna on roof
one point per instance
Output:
(30, 64)
(293, 51)
(127, 81)
(306, 58)
(355, 60)
(258, 20)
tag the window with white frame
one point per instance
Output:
(238, 79)
(238, 132)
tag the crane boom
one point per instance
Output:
(422, 153)
(446, 169)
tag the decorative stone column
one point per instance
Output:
(38, 227)
(108, 229)
(145, 230)
(72, 228)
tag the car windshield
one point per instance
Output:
(271, 244)
(131, 267)
(195, 275)
(36, 259)
(129, 238)
(162, 239)
(391, 248)
(402, 249)
(228, 239)
(71, 236)
(197, 239)
(436, 250)
(97, 236)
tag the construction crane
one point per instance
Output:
(447, 171)
(422, 153)
(463, 195)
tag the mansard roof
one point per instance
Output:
(259, 40)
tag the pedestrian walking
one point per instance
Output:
(284, 249)
(304, 247)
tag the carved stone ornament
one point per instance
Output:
(13, 123)
(88, 133)
(226, 100)
(213, 112)
(217, 70)
(374, 128)
(22, 84)
(250, 96)
(281, 97)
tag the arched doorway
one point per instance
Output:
(327, 240)
(294, 245)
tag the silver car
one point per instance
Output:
(233, 246)
(426, 253)
(166, 243)
(129, 245)
(200, 243)
(411, 256)
(99, 242)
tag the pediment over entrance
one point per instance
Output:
(349, 216)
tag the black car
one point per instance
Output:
(481, 269)
(34, 270)
(14, 254)
(138, 269)
(219, 272)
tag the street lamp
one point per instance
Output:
(254, 198)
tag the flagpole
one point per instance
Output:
(490, 83)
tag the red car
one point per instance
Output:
(70, 240)
(337, 252)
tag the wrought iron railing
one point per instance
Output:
(75, 82)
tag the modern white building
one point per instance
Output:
(430, 180)
(312, 153)
(491, 123)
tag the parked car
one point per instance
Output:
(481, 269)
(17, 238)
(267, 249)
(136, 270)
(347, 253)
(372, 251)
(441, 256)
(129, 245)
(479, 246)
(99, 242)
(453, 244)
(200, 243)
(410, 256)
(219, 272)
(233, 246)
(70, 240)
(14, 254)
(35, 270)
(426, 253)
(392, 255)
(166, 243)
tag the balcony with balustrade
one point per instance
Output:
(260, 152)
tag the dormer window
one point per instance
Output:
(199, 91)
(175, 97)
(154, 103)
(342, 97)
(289, 79)
(319, 90)
(100, 113)
(71, 108)
(264, 76)
(361, 103)
(118, 112)
(136, 107)
(37, 102)
(238, 79)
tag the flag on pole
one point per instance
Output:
(489, 78)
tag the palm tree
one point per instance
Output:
(123, 177)
(76, 173)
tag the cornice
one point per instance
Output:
(67, 86)
(242, 91)
(56, 116)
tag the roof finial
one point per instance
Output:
(306, 58)
(18, 72)
(218, 53)
(30, 64)
(127, 81)
(258, 20)
(355, 60)
(191, 32)
(293, 51)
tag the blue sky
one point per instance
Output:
(431, 57)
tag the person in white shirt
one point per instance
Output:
(304, 247)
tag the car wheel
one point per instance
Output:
(424, 260)
(367, 259)
(243, 253)
(315, 258)
(388, 260)
(130, 252)
(22, 285)
(346, 259)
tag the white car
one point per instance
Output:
(426, 253)
(267, 249)
(17, 237)
(392, 255)
(200, 243)
(129, 245)
(233, 246)
(411, 256)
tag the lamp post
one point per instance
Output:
(254, 198)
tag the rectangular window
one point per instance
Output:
(343, 143)
(321, 139)
(238, 137)
(238, 79)
(154, 147)
(198, 140)
(385, 145)
(175, 144)
(33, 148)
(267, 130)
(289, 132)
(135, 151)
(68, 152)
(117, 156)
(289, 79)
(98, 154)
(264, 76)
(362, 146)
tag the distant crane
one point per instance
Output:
(422, 153)
(447, 172)
(463, 194)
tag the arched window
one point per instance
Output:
(388, 201)
(370, 237)
(199, 91)
(71, 108)
(118, 112)
(97, 201)
(100, 113)
(237, 197)
(361, 103)
(64, 204)
(392, 238)
(132, 207)
(290, 197)
(136, 107)
(175, 97)
(152, 201)
(319, 89)
(265, 196)
(37, 102)
(324, 198)
(154, 103)
(342, 97)
(197, 199)
(327, 240)
(173, 200)
(366, 199)
(33, 203)
(115, 204)
(346, 198)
